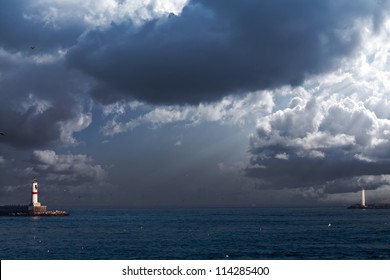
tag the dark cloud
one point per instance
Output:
(42, 104)
(219, 47)
(41, 100)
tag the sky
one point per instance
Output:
(194, 103)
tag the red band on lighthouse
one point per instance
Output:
(34, 192)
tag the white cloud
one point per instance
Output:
(283, 156)
(35, 104)
(324, 122)
(101, 13)
(69, 127)
(230, 110)
(164, 115)
(113, 127)
(19, 58)
(66, 168)
(120, 108)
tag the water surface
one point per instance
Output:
(207, 233)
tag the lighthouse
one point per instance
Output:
(34, 193)
(363, 197)
(33, 209)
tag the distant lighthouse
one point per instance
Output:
(34, 193)
(363, 204)
(363, 197)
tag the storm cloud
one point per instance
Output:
(216, 48)
(42, 104)
(194, 102)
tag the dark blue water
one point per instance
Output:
(212, 233)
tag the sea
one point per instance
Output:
(199, 234)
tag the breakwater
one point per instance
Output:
(28, 210)
(370, 206)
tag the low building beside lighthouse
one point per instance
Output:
(35, 208)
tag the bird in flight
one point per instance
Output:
(1, 133)
(32, 47)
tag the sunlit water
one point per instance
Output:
(212, 233)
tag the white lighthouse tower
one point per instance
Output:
(34, 193)
(363, 197)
